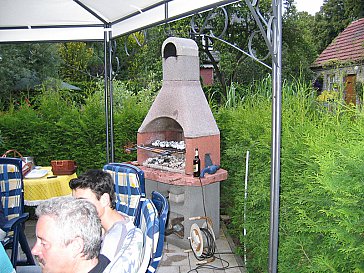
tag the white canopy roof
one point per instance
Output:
(67, 20)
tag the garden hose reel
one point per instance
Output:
(202, 239)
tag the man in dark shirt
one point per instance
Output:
(68, 237)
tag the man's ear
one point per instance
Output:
(77, 246)
(105, 200)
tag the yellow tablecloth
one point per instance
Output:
(38, 189)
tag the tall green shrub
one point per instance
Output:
(244, 128)
(56, 127)
(321, 193)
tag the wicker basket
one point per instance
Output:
(26, 166)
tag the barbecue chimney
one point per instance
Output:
(180, 113)
(180, 110)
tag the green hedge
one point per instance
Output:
(322, 163)
(55, 127)
(322, 189)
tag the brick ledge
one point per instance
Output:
(183, 179)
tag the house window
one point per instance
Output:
(332, 83)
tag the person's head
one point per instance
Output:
(68, 232)
(96, 186)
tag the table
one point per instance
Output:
(38, 189)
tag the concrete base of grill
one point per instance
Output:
(185, 201)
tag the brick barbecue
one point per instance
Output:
(181, 115)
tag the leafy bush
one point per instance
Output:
(58, 128)
(327, 96)
(321, 201)
(322, 161)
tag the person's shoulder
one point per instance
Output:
(113, 239)
(130, 256)
(117, 228)
(127, 221)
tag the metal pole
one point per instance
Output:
(106, 93)
(245, 200)
(276, 134)
(111, 114)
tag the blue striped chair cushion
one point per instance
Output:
(127, 189)
(149, 224)
(11, 190)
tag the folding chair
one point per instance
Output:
(149, 215)
(129, 187)
(12, 200)
(149, 224)
(161, 204)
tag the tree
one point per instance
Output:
(298, 47)
(232, 65)
(24, 65)
(139, 54)
(76, 61)
(333, 17)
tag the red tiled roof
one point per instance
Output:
(347, 46)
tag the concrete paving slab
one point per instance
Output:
(173, 259)
(184, 269)
(169, 269)
(222, 245)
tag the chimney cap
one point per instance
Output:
(183, 46)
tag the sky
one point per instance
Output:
(311, 6)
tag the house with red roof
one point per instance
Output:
(341, 65)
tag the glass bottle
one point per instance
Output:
(196, 164)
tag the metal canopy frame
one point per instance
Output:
(94, 26)
(271, 31)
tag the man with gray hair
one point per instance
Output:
(68, 237)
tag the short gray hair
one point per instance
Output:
(74, 218)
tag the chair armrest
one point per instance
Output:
(9, 225)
